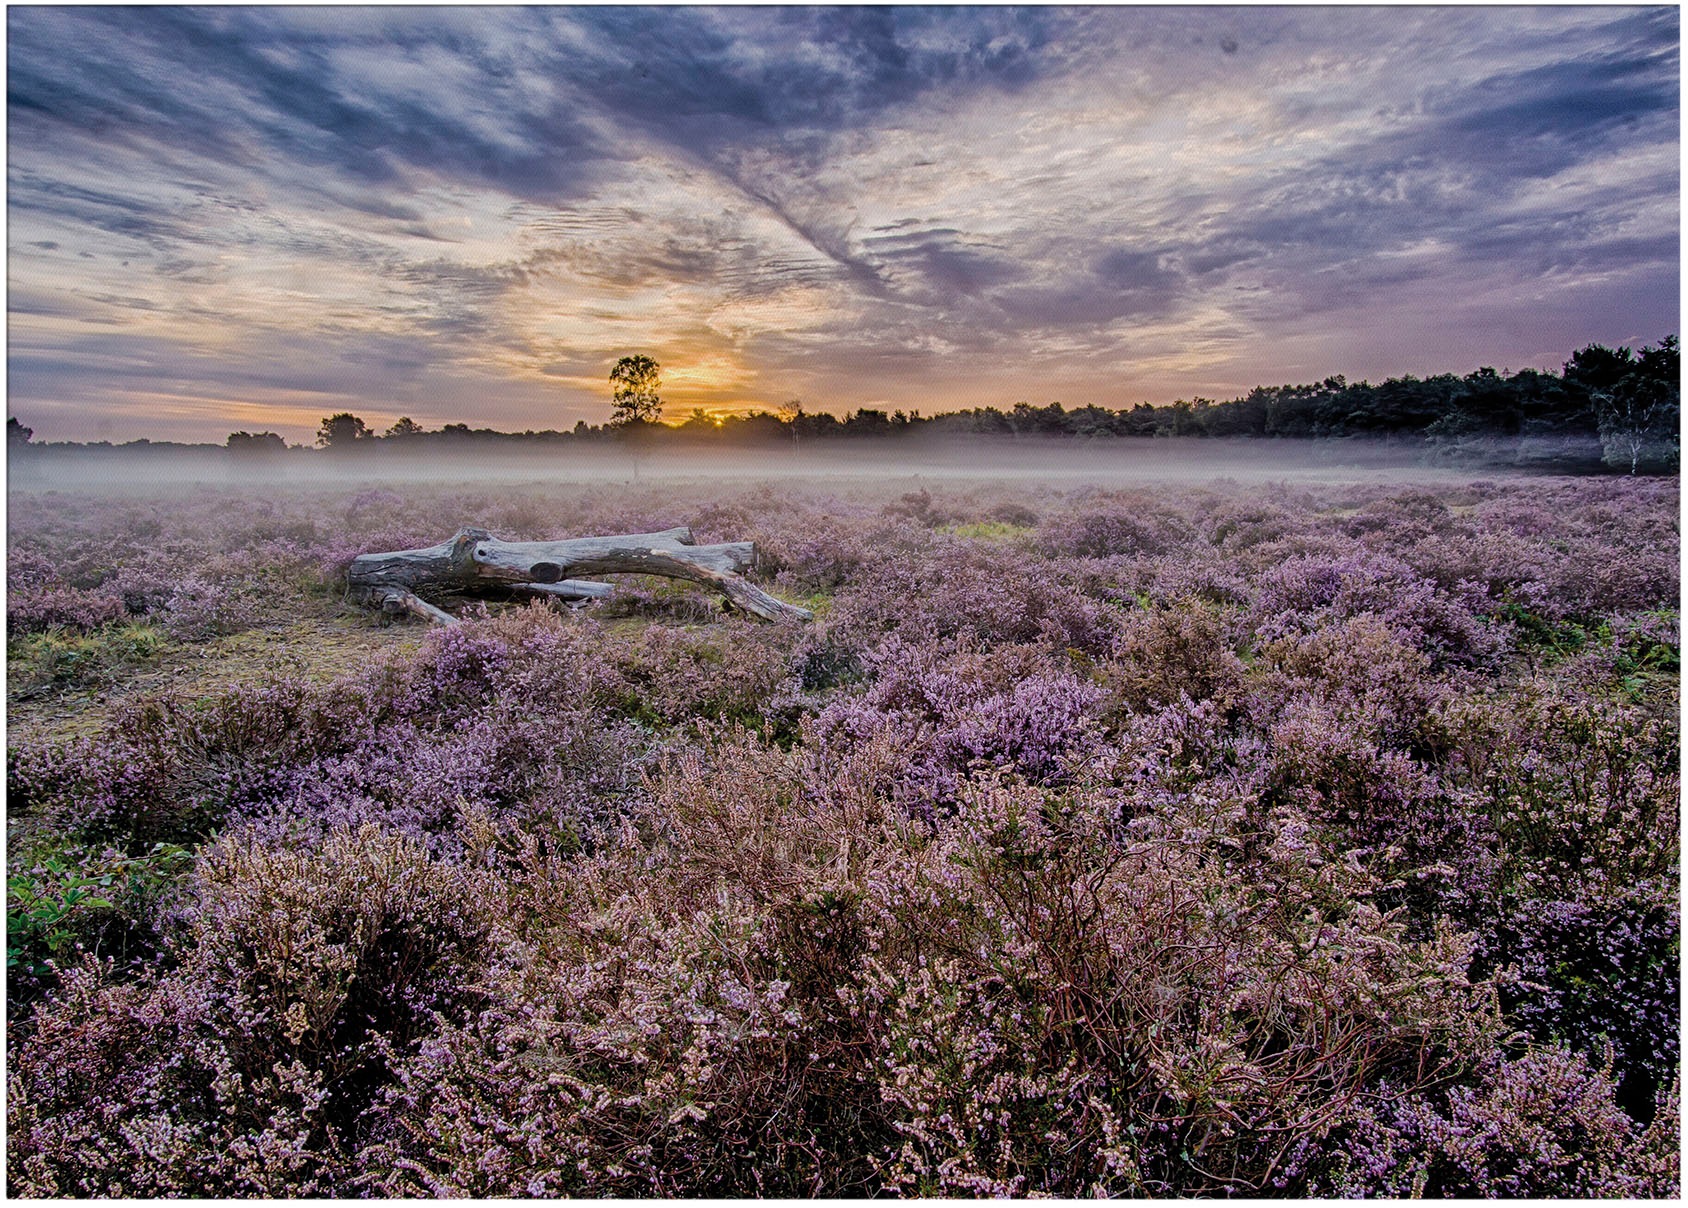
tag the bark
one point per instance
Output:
(474, 560)
(576, 590)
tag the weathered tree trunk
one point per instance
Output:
(476, 560)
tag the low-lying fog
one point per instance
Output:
(1057, 462)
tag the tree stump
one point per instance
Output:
(476, 561)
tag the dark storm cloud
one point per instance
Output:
(252, 87)
(51, 304)
(243, 85)
(937, 263)
(1120, 283)
(277, 361)
(99, 74)
(1539, 117)
(107, 209)
(724, 85)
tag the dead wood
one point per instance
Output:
(476, 562)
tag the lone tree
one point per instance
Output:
(405, 427)
(635, 381)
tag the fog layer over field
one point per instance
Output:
(1027, 462)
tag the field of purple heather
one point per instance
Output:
(1296, 840)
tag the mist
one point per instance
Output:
(1055, 462)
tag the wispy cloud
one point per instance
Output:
(470, 213)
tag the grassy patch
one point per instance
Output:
(1648, 664)
(150, 663)
(987, 530)
(57, 659)
(1554, 639)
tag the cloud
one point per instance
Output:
(711, 79)
(463, 207)
(240, 86)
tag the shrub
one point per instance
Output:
(247, 1069)
(1162, 654)
(63, 904)
(1194, 843)
(1009, 708)
(959, 589)
(1305, 592)
(1545, 1124)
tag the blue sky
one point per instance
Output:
(228, 218)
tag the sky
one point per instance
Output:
(251, 218)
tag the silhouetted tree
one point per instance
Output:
(1663, 363)
(247, 443)
(635, 381)
(821, 423)
(341, 431)
(16, 434)
(1598, 368)
(1177, 420)
(791, 415)
(405, 426)
(868, 422)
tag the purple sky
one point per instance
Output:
(250, 218)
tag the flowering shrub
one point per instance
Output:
(245, 1069)
(956, 589)
(1161, 654)
(1306, 592)
(1008, 708)
(1318, 842)
(31, 609)
(1126, 523)
(1545, 1124)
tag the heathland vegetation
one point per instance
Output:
(1188, 840)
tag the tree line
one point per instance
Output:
(1628, 399)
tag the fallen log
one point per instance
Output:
(476, 561)
(574, 590)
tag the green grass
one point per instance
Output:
(987, 530)
(56, 659)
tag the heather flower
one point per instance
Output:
(1317, 841)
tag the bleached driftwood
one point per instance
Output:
(474, 560)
